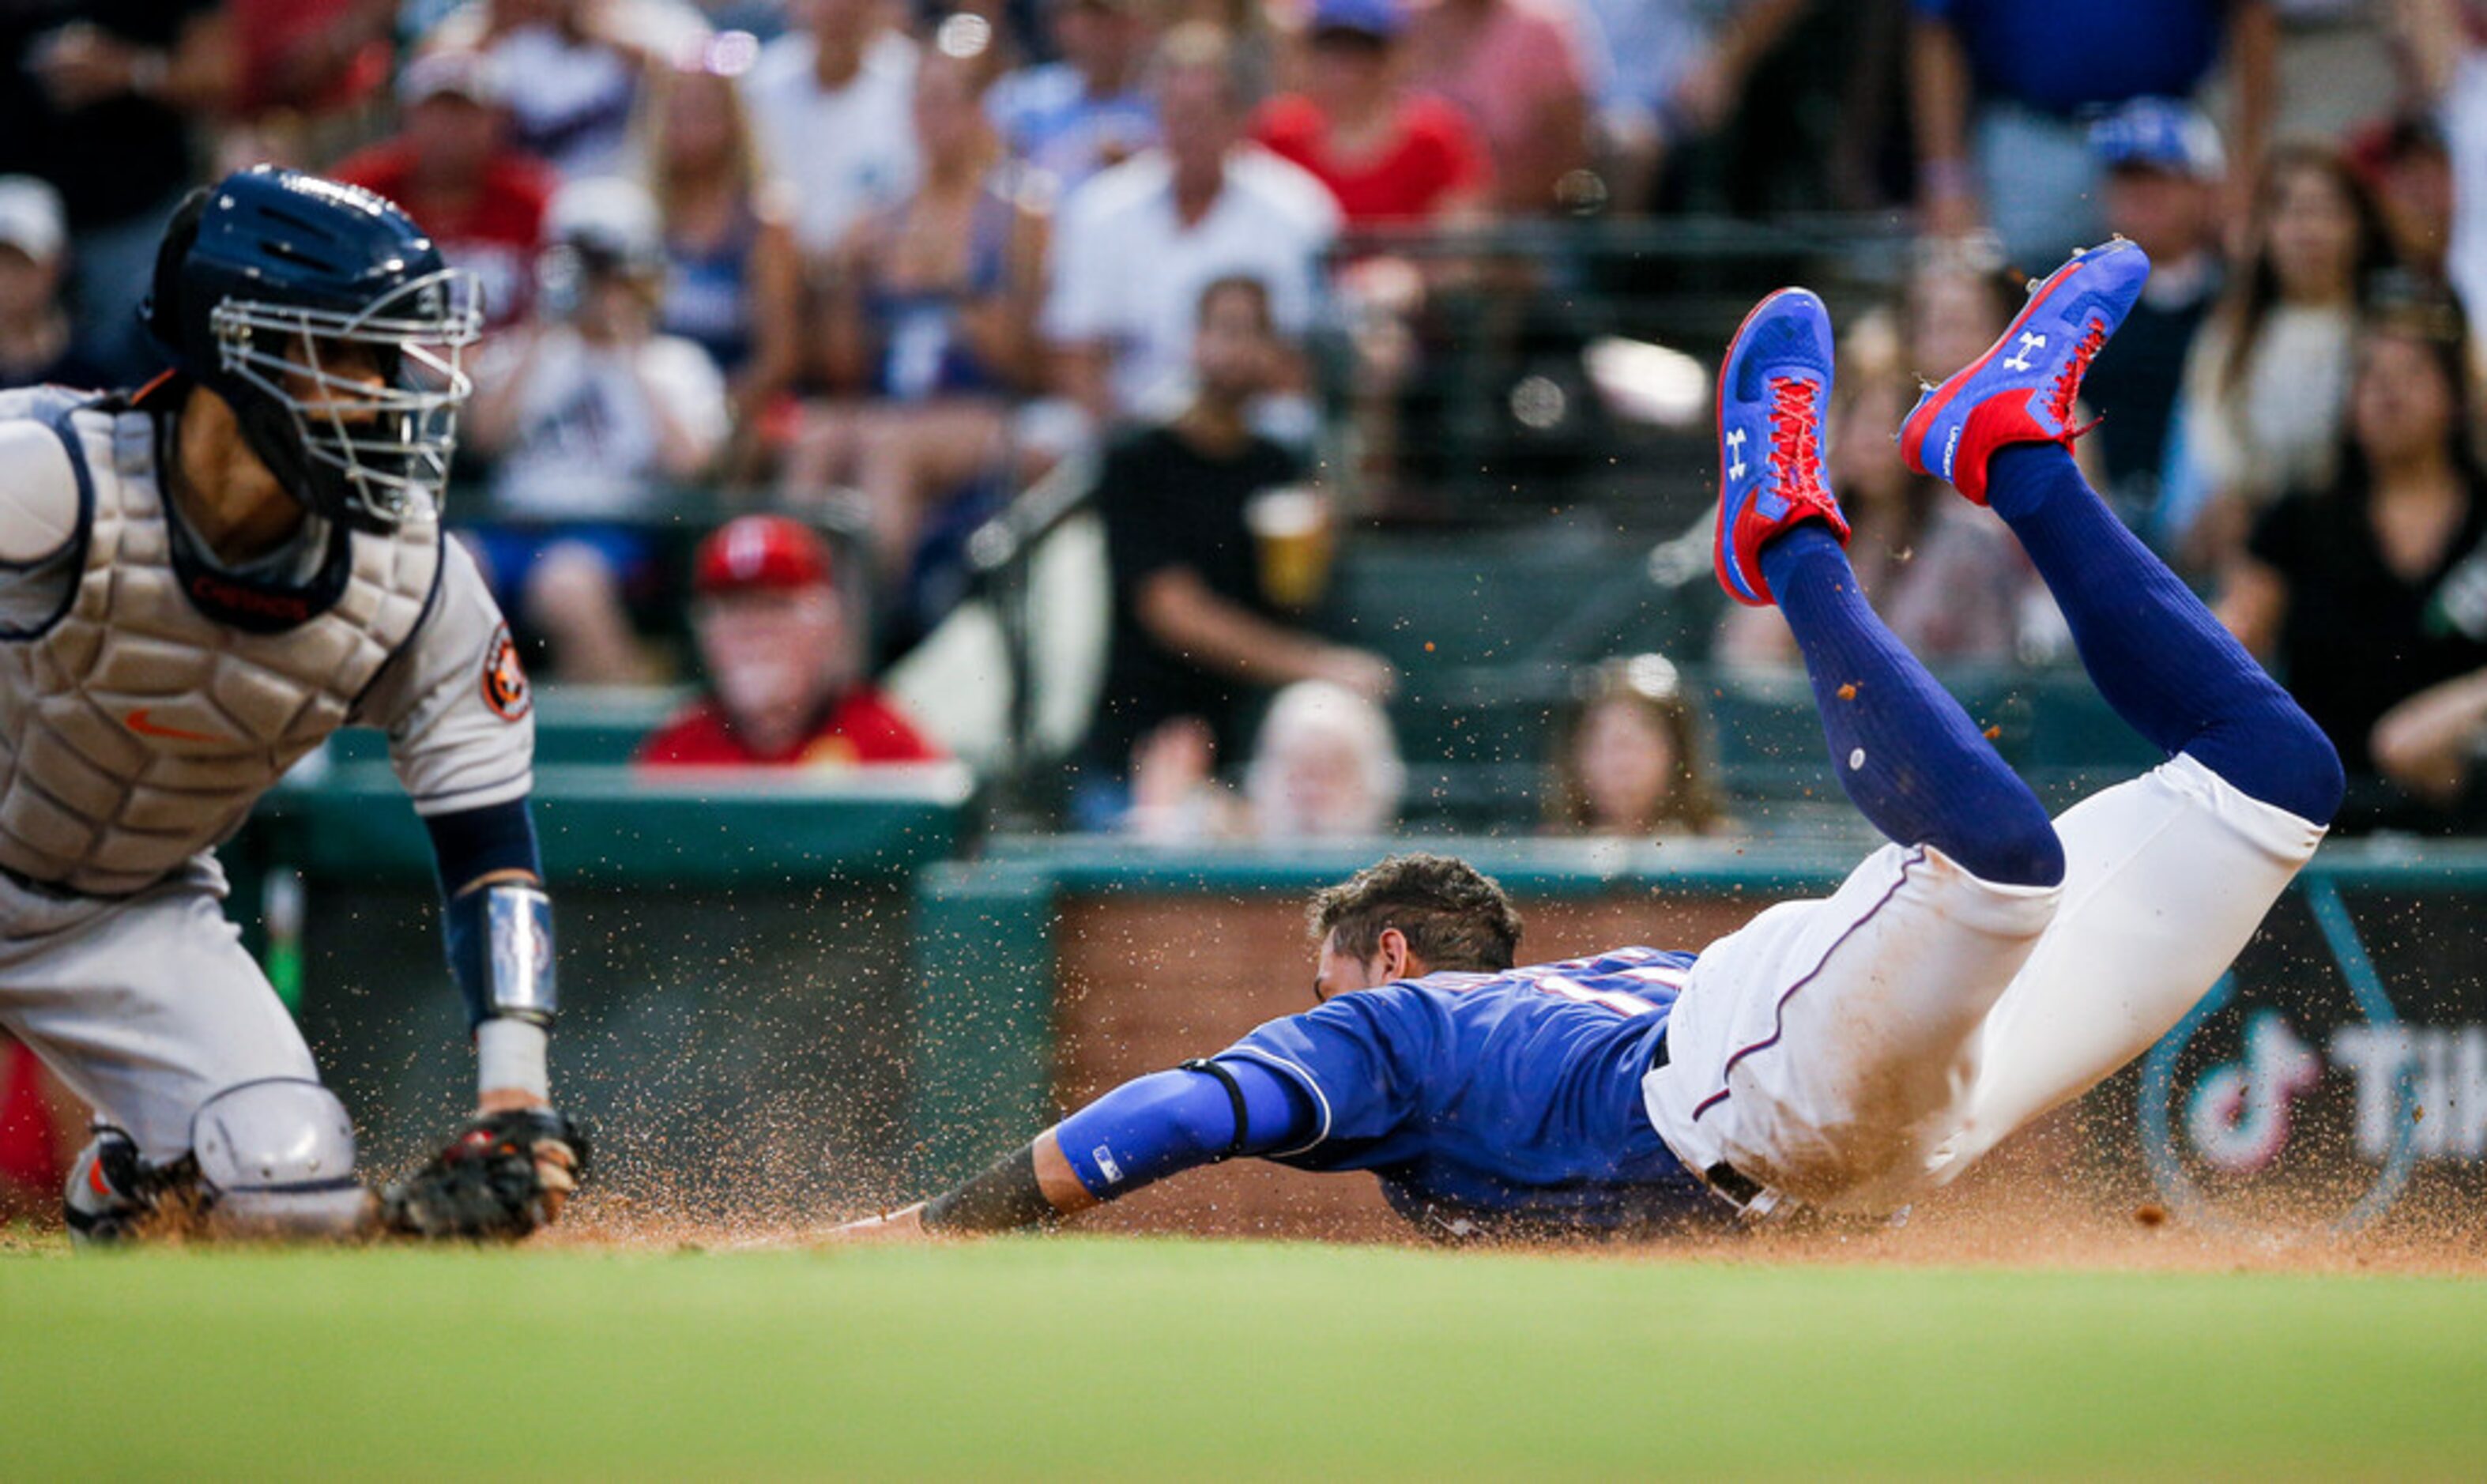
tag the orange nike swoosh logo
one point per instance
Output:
(137, 722)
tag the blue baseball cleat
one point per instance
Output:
(2022, 390)
(1774, 393)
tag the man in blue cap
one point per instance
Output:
(2161, 170)
(2004, 93)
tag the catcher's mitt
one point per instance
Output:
(503, 1176)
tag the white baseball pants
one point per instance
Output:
(1855, 1051)
(145, 1006)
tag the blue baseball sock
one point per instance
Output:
(1910, 758)
(2159, 659)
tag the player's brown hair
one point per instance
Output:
(1453, 915)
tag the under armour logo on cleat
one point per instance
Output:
(1736, 454)
(2030, 340)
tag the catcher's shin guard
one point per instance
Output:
(276, 1158)
(271, 1159)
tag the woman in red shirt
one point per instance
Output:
(1390, 155)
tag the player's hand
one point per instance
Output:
(904, 1225)
(507, 1174)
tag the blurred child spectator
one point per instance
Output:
(1386, 154)
(1947, 579)
(1175, 796)
(832, 101)
(1518, 70)
(452, 168)
(1087, 111)
(2374, 588)
(35, 340)
(736, 282)
(1632, 758)
(932, 313)
(2162, 172)
(1197, 628)
(98, 101)
(2003, 91)
(1138, 243)
(573, 70)
(782, 661)
(2267, 384)
(1324, 766)
(595, 417)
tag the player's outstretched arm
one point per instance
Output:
(1031, 1186)
(1156, 1126)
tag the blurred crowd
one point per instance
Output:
(827, 283)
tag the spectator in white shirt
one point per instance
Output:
(595, 418)
(1135, 245)
(831, 99)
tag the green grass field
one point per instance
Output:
(1124, 1358)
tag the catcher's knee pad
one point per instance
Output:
(276, 1158)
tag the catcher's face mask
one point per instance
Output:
(357, 412)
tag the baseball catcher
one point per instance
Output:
(199, 580)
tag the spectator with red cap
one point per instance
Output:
(1387, 154)
(452, 169)
(784, 662)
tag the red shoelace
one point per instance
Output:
(1795, 438)
(2068, 381)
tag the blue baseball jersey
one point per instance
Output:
(1486, 1102)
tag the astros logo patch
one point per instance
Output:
(505, 681)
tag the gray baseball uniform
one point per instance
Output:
(148, 698)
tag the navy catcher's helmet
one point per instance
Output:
(269, 273)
